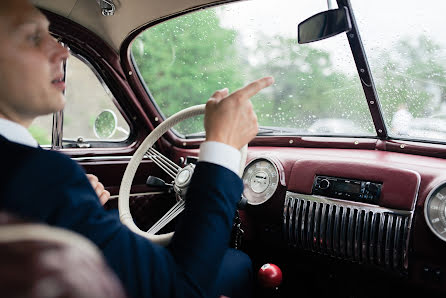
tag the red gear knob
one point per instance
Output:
(270, 276)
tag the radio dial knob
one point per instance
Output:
(324, 184)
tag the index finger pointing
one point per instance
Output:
(254, 87)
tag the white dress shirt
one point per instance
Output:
(16, 133)
(213, 152)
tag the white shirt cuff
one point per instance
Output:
(220, 154)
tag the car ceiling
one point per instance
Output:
(129, 15)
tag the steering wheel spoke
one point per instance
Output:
(168, 217)
(163, 162)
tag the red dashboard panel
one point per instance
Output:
(406, 181)
(399, 190)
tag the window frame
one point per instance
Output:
(59, 143)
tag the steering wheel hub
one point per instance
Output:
(183, 179)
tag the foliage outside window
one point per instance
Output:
(41, 129)
(407, 54)
(316, 91)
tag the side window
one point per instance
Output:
(41, 129)
(87, 97)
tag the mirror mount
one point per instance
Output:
(324, 25)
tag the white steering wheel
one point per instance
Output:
(180, 175)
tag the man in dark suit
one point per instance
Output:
(46, 186)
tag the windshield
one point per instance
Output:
(406, 49)
(316, 92)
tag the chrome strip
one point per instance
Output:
(141, 194)
(372, 238)
(310, 225)
(285, 217)
(57, 128)
(296, 224)
(302, 225)
(396, 245)
(406, 233)
(329, 234)
(336, 227)
(343, 235)
(388, 239)
(379, 246)
(357, 243)
(350, 230)
(316, 227)
(57, 131)
(365, 236)
(349, 252)
(290, 219)
(104, 158)
(322, 237)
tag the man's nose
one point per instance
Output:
(58, 52)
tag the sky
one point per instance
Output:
(381, 22)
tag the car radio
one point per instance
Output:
(347, 189)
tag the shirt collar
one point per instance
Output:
(16, 133)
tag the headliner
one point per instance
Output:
(130, 14)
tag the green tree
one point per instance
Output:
(183, 61)
(409, 73)
(307, 88)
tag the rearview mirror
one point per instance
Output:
(323, 25)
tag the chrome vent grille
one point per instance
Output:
(348, 230)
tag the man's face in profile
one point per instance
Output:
(30, 64)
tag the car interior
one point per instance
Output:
(345, 183)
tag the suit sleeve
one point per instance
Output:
(187, 268)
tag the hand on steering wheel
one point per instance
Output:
(180, 175)
(229, 120)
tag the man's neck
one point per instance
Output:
(21, 121)
(16, 133)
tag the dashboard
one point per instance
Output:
(367, 207)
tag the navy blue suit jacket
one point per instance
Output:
(49, 187)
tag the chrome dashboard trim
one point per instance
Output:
(290, 214)
(284, 219)
(336, 228)
(350, 239)
(316, 231)
(357, 242)
(310, 226)
(329, 235)
(353, 231)
(296, 223)
(389, 236)
(372, 237)
(322, 235)
(104, 158)
(379, 246)
(140, 194)
(343, 235)
(365, 235)
(396, 256)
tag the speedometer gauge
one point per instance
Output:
(260, 179)
(435, 211)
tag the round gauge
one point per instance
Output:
(260, 179)
(435, 211)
